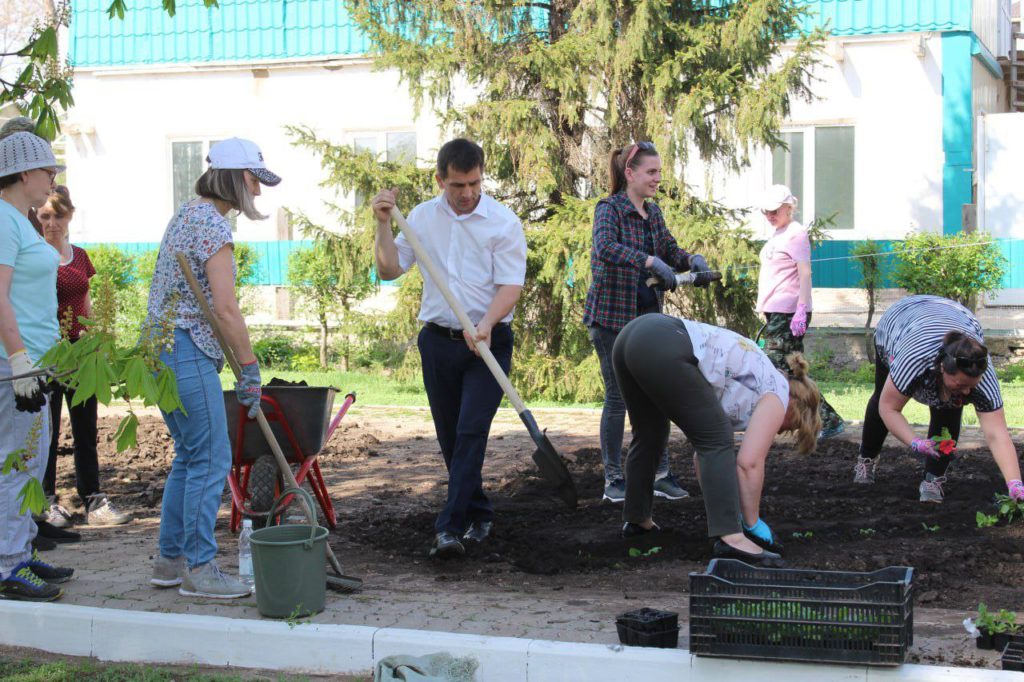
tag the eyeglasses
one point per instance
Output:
(978, 365)
(646, 146)
(51, 172)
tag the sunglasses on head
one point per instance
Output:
(978, 365)
(646, 146)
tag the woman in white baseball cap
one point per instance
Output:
(784, 288)
(28, 328)
(201, 231)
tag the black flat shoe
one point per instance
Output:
(632, 530)
(447, 546)
(478, 532)
(770, 546)
(724, 550)
(59, 535)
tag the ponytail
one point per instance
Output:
(617, 161)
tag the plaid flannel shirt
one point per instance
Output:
(617, 256)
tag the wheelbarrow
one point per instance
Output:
(300, 419)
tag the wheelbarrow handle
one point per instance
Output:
(349, 399)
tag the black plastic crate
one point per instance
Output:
(649, 627)
(1013, 654)
(741, 611)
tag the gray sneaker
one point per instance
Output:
(615, 491)
(669, 488)
(167, 572)
(864, 470)
(211, 582)
(931, 488)
(100, 512)
(58, 516)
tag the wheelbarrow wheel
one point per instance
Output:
(263, 482)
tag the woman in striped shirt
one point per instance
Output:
(932, 349)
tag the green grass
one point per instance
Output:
(88, 671)
(848, 393)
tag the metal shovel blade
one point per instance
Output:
(550, 463)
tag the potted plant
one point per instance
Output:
(1004, 628)
(985, 622)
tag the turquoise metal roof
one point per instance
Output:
(240, 30)
(255, 30)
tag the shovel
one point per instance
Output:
(339, 582)
(547, 459)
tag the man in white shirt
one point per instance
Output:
(479, 247)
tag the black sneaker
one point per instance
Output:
(49, 573)
(24, 585)
(58, 535)
(478, 532)
(43, 544)
(615, 491)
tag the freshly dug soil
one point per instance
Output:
(387, 481)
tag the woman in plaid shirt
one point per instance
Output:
(630, 243)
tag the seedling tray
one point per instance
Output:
(1013, 654)
(649, 627)
(741, 611)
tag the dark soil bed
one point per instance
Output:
(388, 482)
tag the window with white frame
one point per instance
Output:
(818, 167)
(188, 161)
(398, 147)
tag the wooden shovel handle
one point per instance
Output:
(424, 260)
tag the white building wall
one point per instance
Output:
(890, 89)
(122, 125)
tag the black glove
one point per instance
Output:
(701, 271)
(666, 275)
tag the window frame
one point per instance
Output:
(380, 151)
(205, 141)
(807, 208)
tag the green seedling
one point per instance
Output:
(634, 552)
(867, 532)
(1009, 509)
(797, 535)
(295, 619)
(986, 520)
(930, 529)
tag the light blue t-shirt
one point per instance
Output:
(34, 283)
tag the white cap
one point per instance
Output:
(236, 153)
(774, 197)
(20, 152)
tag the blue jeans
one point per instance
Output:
(613, 415)
(202, 456)
(464, 397)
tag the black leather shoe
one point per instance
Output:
(446, 546)
(631, 530)
(775, 546)
(478, 531)
(723, 550)
(59, 535)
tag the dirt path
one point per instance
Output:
(564, 574)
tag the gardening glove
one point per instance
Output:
(1016, 490)
(761, 531)
(248, 388)
(30, 392)
(666, 275)
(924, 447)
(701, 271)
(798, 325)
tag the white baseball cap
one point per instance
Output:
(20, 152)
(774, 197)
(241, 154)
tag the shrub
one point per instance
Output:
(274, 350)
(112, 262)
(959, 267)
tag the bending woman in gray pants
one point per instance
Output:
(710, 382)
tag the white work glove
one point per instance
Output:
(29, 393)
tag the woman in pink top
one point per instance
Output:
(784, 289)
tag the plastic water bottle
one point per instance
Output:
(245, 573)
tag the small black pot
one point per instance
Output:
(649, 620)
(984, 640)
(1000, 640)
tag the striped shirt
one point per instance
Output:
(908, 339)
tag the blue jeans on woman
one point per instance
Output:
(202, 456)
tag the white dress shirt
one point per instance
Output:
(477, 252)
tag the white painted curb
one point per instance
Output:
(145, 637)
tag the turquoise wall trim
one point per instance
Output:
(254, 30)
(868, 17)
(957, 126)
(272, 268)
(239, 30)
(983, 55)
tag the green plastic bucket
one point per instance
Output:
(290, 565)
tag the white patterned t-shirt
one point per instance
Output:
(738, 371)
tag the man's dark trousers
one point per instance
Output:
(464, 397)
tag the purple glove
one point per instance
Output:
(1016, 489)
(924, 447)
(798, 325)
